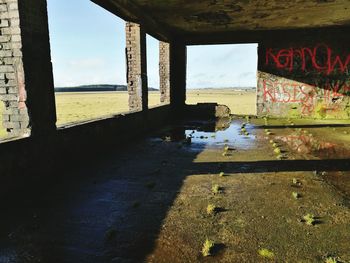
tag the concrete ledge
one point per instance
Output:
(207, 110)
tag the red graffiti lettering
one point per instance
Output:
(268, 92)
(285, 58)
(306, 95)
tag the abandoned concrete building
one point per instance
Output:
(182, 183)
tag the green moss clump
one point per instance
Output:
(207, 248)
(296, 195)
(332, 260)
(216, 189)
(309, 219)
(211, 209)
(277, 150)
(266, 253)
(296, 182)
(280, 157)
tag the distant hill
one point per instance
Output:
(225, 88)
(96, 88)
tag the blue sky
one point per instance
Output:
(87, 47)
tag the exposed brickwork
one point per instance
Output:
(12, 83)
(164, 72)
(26, 81)
(136, 67)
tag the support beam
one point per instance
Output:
(129, 11)
(164, 72)
(136, 59)
(257, 36)
(178, 68)
(26, 72)
(37, 66)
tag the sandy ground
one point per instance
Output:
(77, 107)
(240, 102)
(74, 107)
(156, 211)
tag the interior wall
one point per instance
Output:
(305, 75)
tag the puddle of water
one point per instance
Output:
(316, 146)
(198, 136)
(232, 136)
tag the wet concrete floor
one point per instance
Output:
(149, 202)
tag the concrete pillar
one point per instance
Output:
(136, 59)
(164, 72)
(178, 68)
(26, 85)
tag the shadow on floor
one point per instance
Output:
(111, 208)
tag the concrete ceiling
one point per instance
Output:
(202, 18)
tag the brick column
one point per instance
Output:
(26, 72)
(164, 72)
(178, 68)
(136, 59)
(12, 83)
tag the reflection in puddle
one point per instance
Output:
(232, 136)
(224, 132)
(303, 142)
(241, 135)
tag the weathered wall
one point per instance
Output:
(26, 80)
(306, 75)
(136, 60)
(164, 72)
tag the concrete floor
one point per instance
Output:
(148, 203)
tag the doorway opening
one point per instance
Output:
(225, 74)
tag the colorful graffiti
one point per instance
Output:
(303, 94)
(320, 58)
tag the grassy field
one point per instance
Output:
(77, 107)
(240, 102)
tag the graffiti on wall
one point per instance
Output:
(320, 58)
(306, 79)
(303, 94)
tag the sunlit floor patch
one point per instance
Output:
(257, 211)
